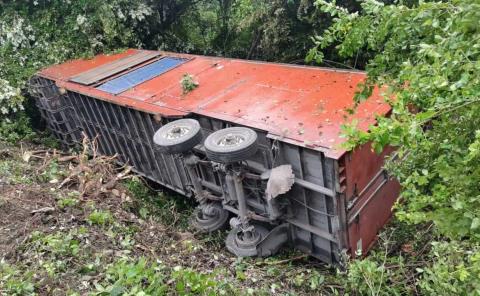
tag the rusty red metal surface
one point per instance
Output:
(370, 194)
(302, 105)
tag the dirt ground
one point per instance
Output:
(76, 225)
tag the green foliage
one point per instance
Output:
(252, 29)
(57, 244)
(191, 282)
(14, 172)
(69, 201)
(425, 57)
(171, 209)
(52, 173)
(34, 34)
(15, 127)
(100, 218)
(188, 83)
(372, 276)
(455, 270)
(450, 268)
(128, 277)
(134, 277)
(15, 282)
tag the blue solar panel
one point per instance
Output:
(131, 79)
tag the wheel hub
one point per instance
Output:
(177, 132)
(248, 238)
(210, 217)
(243, 243)
(231, 140)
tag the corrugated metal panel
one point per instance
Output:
(131, 79)
(129, 133)
(112, 68)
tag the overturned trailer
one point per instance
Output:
(256, 144)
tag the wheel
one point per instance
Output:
(178, 136)
(231, 144)
(244, 243)
(210, 217)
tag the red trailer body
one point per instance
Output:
(297, 111)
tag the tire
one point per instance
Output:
(207, 223)
(232, 144)
(178, 136)
(245, 248)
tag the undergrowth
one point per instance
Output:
(134, 239)
(171, 208)
(129, 240)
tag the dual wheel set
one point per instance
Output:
(228, 147)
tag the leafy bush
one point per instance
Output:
(450, 268)
(455, 269)
(425, 58)
(33, 35)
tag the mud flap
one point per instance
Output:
(273, 241)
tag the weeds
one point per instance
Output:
(51, 173)
(57, 244)
(14, 172)
(188, 83)
(191, 282)
(172, 209)
(100, 218)
(70, 200)
(127, 277)
(14, 281)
